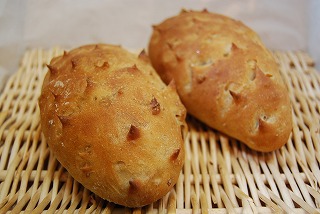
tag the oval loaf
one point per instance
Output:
(113, 124)
(225, 77)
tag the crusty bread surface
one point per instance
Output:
(113, 124)
(225, 77)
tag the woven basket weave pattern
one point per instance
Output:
(220, 174)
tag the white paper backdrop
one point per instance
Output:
(282, 24)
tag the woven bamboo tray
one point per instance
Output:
(220, 174)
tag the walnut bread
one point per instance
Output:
(225, 77)
(113, 124)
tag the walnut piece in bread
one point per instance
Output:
(113, 124)
(225, 77)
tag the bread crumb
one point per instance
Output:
(157, 181)
(50, 122)
(175, 154)
(133, 133)
(59, 84)
(134, 185)
(155, 106)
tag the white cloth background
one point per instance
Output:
(282, 24)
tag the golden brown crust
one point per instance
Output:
(113, 124)
(224, 76)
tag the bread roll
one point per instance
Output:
(225, 77)
(113, 124)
